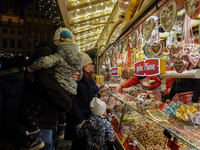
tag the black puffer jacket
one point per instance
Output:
(45, 87)
(80, 108)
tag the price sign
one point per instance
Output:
(171, 144)
(150, 67)
(114, 71)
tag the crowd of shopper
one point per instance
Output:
(53, 96)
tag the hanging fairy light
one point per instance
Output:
(51, 11)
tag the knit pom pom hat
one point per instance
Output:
(56, 36)
(65, 34)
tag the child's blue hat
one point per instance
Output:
(65, 34)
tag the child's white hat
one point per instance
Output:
(97, 106)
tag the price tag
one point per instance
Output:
(160, 106)
(171, 144)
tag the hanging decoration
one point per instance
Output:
(192, 8)
(134, 37)
(147, 50)
(128, 58)
(168, 16)
(157, 48)
(175, 47)
(148, 28)
(52, 10)
(126, 43)
(110, 53)
(121, 47)
(180, 64)
(186, 55)
(179, 23)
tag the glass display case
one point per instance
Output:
(145, 126)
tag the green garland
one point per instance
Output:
(52, 10)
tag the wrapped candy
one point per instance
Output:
(182, 112)
(172, 108)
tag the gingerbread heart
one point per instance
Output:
(168, 16)
(134, 37)
(193, 60)
(148, 28)
(157, 48)
(147, 50)
(192, 8)
(174, 48)
(179, 66)
(179, 23)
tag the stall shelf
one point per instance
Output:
(147, 126)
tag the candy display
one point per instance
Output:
(148, 133)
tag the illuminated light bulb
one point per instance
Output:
(101, 4)
(126, 2)
(78, 19)
(77, 2)
(90, 7)
(78, 10)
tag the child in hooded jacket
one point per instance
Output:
(67, 60)
(97, 130)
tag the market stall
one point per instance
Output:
(162, 39)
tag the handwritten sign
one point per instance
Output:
(149, 67)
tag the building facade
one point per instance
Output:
(21, 36)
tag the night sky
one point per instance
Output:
(25, 2)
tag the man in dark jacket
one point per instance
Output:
(45, 87)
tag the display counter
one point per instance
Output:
(146, 126)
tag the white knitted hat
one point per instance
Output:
(85, 59)
(97, 106)
(56, 36)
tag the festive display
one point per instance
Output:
(51, 9)
(168, 16)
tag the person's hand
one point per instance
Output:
(118, 88)
(75, 75)
(148, 87)
(168, 101)
(98, 85)
(81, 123)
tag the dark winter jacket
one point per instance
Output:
(186, 85)
(98, 131)
(45, 87)
(11, 87)
(80, 108)
(95, 88)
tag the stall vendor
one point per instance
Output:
(187, 89)
(147, 83)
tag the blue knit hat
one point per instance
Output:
(65, 34)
